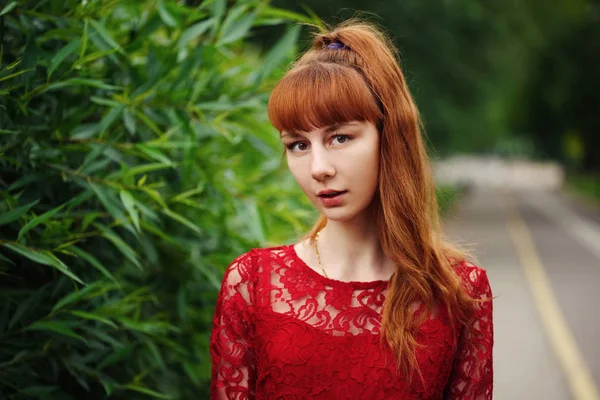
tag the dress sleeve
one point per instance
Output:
(231, 341)
(471, 377)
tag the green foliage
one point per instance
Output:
(562, 99)
(587, 185)
(136, 162)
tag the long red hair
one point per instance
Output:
(363, 81)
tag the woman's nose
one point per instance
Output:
(321, 166)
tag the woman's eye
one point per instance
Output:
(299, 146)
(341, 139)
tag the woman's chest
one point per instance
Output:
(295, 359)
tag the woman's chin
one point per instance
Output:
(339, 214)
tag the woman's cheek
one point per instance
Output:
(302, 176)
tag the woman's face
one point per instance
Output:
(343, 158)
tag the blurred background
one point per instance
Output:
(137, 161)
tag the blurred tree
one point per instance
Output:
(561, 100)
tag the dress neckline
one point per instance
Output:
(333, 282)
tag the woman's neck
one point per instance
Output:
(351, 251)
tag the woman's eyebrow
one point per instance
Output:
(293, 135)
(335, 127)
(329, 129)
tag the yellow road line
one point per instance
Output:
(562, 341)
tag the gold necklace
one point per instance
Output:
(318, 255)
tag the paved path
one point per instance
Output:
(542, 254)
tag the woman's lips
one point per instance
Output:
(332, 201)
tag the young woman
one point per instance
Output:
(372, 303)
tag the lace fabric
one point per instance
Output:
(283, 331)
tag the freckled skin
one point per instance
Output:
(319, 160)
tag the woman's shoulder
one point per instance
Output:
(246, 262)
(473, 277)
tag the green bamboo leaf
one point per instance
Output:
(93, 317)
(62, 54)
(148, 122)
(109, 118)
(182, 220)
(43, 257)
(38, 220)
(115, 357)
(155, 196)
(61, 248)
(23, 71)
(254, 219)
(316, 20)
(13, 215)
(273, 12)
(80, 199)
(149, 327)
(107, 199)
(160, 233)
(199, 263)
(189, 193)
(95, 289)
(155, 352)
(191, 372)
(194, 31)
(129, 203)
(94, 262)
(84, 39)
(8, 7)
(103, 33)
(97, 151)
(154, 154)
(105, 102)
(100, 334)
(17, 358)
(166, 16)
(219, 7)
(25, 180)
(55, 326)
(142, 180)
(96, 83)
(12, 65)
(279, 53)
(190, 203)
(6, 260)
(129, 121)
(30, 57)
(123, 247)
(142, 169)
(233, 28)
(88, 219)
(93, 57)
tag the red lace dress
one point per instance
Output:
(283, 331)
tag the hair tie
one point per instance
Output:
(336, 45)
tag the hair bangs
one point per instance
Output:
(316, 95)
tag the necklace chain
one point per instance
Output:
(318, 255)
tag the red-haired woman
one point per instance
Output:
(372, 303)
